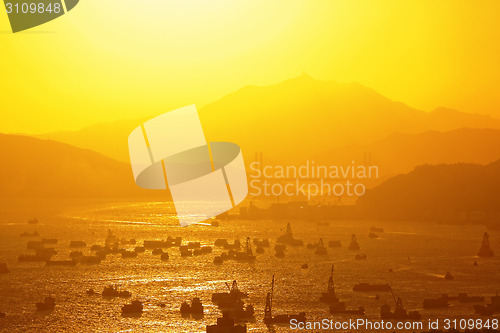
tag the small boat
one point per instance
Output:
(60, 263)
(280, 253)
(77, 244)
(129, 254)
(140, 249)
(320, 248)
(27, 234)
(134, 307)
(157, 252)
(226, 325)
(234, 293)
(376, 229)
(435, 303)
(246, 255)
(218, 260)
(221, 242)
(354, 246)
(448, 276)
(33, 221)
(287, 238)
(164, 256)
(269, 319)
(49, 241)
(196, 307)
(485, 250)
(489, 309)
(371, 287)
(399, 312)
(215, 223)
(304, 266)
(464, 298)
(112, 291)
(372, 235)
(360, 257)
(47, 305)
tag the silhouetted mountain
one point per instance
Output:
(441, 192)
(400, 153)
(303, 115)
(42, 168)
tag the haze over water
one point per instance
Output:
(418, 253)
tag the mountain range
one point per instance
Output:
(291, 121)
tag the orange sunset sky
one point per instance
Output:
(125, 59)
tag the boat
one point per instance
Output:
(354, 246)
(360, 256)
(3, 268)
(269, 319)
(399, 312)
(280, 253)
(215, 223)
(246, 255)
(196, 307)
(134, 307)
(435, 303)
(448, 276)
(489, 309)
(129, 254)
(202, 250)
(485, 250)
(60, 263)
(33, 221)
(329, 296)
(376, 229)
(287, 237)
(321, 249)
(234, 293)
(218, 260)
(27, 234)
(157, 252)
(372, 235)
(47, 305)
(464, 298)
(226, 325)
(113, 291)
(77, 244)
(49, 241)
(304, 266)
(164, 257)
(33, 258)
(140, 249)
(371, 287)
(221, 242)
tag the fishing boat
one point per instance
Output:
(269, 319)
(354, 246)
(113, 291)
(321, 249)
(234, 293)
(287, 237)
(134, 307)
(399, 312)
(435, 303)
(226, 325)
(47, 305)
(371, 287)
(485, 250)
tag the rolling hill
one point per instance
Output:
(292, 120)
(440, 192)
(33, 167)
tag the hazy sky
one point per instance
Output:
(117, 59)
